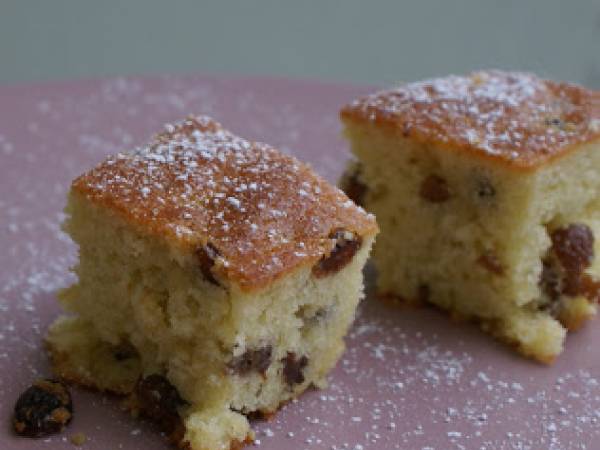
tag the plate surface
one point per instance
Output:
(410, 379)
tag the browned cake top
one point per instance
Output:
(261, 213)
(512, 117)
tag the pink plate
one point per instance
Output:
(410, 379)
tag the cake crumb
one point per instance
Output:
(78, 439)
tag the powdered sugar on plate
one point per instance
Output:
(409, 378)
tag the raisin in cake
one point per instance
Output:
(487, 191)
(217, 278)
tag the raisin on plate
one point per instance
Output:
(44, 408)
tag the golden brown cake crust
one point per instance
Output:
(510, 117)
(261, 213)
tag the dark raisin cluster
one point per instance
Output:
(345, 247)
(435, 189)
(572, 252)
(353, 187)
(490, 262)
(293, 369)
(158, 400)
(44, 408)
(253, 360)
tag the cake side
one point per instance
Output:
(473, 236)
(510, 118)
(227, 352)
(206, 190)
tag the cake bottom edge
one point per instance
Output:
(537, 335)
(80, 358)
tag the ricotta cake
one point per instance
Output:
(486, 188)
(217, 278)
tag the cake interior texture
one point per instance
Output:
(510, 246)
(146, 319)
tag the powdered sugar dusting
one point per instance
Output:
(201, 183)
(408, 379)
(510, 115)
(394, 367)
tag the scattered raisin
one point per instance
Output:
(258, 415)
(158, 400)
(555, 122)
(574, 248)
(257, 360)
(44, 408)
(485, 189)
(435, 189)
(124, 351)
(293, 369)
(353, 187)
(345, 247)
(490, 261)
(550, 280)
(571, 253)
(207, 254)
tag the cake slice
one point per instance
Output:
(487, 191)
(217, 278)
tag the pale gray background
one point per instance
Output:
(351, 40)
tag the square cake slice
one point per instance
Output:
(217, 278)
(487, 191)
